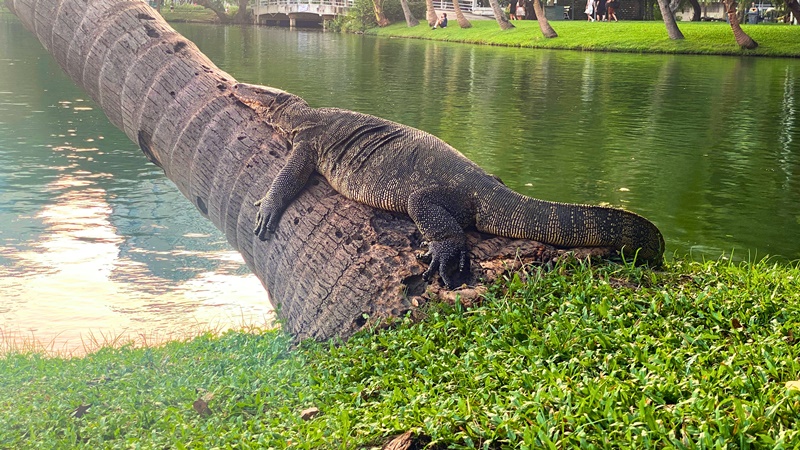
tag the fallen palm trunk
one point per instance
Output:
(334, 266)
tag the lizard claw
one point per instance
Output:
(266, 220)
(451, 259)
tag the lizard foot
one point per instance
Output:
(266, 219)
(451, 259)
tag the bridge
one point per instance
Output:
(314, 12)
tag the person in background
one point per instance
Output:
(442, 23)
(589, 10)
(520, 10)
(600, 10)
(611, 10)
(512, 10)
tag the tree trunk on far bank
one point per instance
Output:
(411, 21)
(544, 25)
(242, 15)
(741, 37)
(462, 21)
(697, 11)
(430, 13)
(218, 10)
(501, 18)
(794, 6)
(669, 20)
(380, 17)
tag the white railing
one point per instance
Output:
(335, 3)
(466, 5)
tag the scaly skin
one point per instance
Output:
(398, 168)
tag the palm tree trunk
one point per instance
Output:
(669, 20)
(794, 6)
(544, 25)
(462, 21)
(430, 13)
(411, 21)
(334, 266)
(697, 14)
(741, 37)
(501, 18)
(380, 17)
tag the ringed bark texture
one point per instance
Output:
(334, 266)
(742, 39)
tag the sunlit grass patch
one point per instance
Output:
(697, 356)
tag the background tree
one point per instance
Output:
(544, 25)
(380, 17)
(499, 15)
(242, 14)
(696, 11)
(794, 7)
(669, 20)
(462, 21)
(741, 37)
(411, 21)
(430, 13)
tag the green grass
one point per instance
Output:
(635, 37)
(188, 13)
(697, 356)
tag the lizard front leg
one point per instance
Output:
(284, 188)
(441, 214)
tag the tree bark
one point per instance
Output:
(411, 21)
(430, 13)
(242, 15)
(697, 11)
(501, 18)
(380, 17)
(544, 25)
(462, 21)
(669, 20)
(742, 38)
(794, 6)
(218, 9)
(334, 266)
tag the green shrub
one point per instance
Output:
(362, 15)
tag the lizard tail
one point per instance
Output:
(508, 213)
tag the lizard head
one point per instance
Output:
(263, 99)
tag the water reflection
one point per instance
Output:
(95, 243)
(705, 146)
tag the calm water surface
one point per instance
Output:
(95, 243)
(93, 239)
(706, 147)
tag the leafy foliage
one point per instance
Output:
(362, 15)
(703, 355)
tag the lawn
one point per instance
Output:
(700, 355)
(635, 37)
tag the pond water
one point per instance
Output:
(94, 241)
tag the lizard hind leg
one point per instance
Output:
(450, 258)
(441, 214)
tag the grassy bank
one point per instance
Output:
(607, 357)
(636, 37)
(189, 13)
